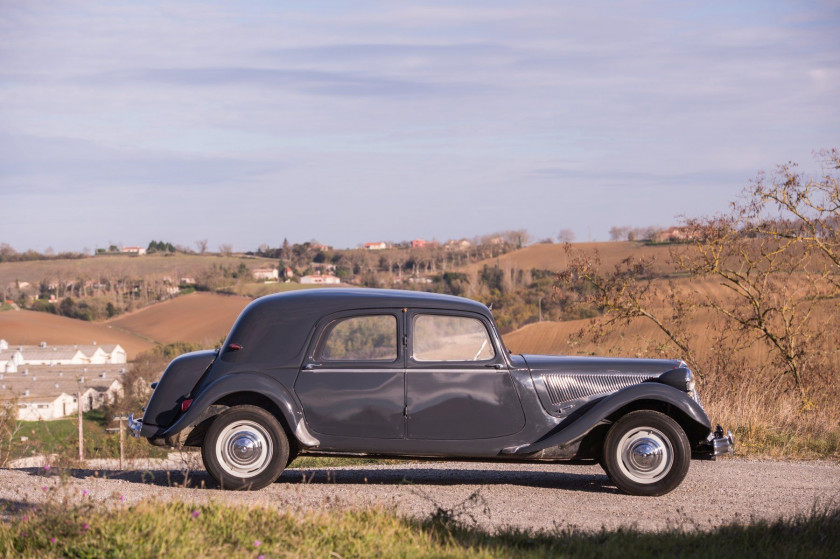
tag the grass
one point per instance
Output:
(183, 530)
(60, 438)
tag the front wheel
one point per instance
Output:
(245, 448)
(646, 453)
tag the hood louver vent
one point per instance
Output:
(565, 388)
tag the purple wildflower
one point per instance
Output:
(46, 467)
(195, 514)
(85, 526)
(122, 498)
(257, 543)
(84, 492)
(44, 487)
(52, 540)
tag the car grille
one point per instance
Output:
(565, 388)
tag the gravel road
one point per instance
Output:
(522, 495)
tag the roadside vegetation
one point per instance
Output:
(755, 313)
(184, 530)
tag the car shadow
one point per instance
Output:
(418, 476)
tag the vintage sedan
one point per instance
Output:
(387, 373)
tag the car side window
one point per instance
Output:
(450, 338)
(365, 338)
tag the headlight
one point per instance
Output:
(681, 379)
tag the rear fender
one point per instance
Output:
(238, 383)
(573, 430)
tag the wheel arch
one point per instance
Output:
(694, 430)
(245, 388)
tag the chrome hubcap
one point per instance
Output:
(645, 455)
(244, 449)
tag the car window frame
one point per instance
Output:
(313, 358)
(498, 360)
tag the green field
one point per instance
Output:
(180, 530)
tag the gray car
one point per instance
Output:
(387, 373)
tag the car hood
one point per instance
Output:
(599, 365)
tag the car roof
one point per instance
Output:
(339, 299)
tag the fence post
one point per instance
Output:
(121, 418)
(81, 428)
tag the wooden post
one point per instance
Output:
(81, 428)
(121, 418)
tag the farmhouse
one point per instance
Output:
(376, 246)
(139, 251)
(319, 279)
(266, 274)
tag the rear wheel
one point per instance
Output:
(245, 448)
(646, 453)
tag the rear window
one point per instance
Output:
(361, 338)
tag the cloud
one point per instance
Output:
(62, 163)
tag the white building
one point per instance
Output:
(266, 274)
(47, 393)
(9, 360)
(134, 250)
(320, 280)
(69, 355)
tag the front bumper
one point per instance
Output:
(716, 445)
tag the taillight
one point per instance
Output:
(185, 405)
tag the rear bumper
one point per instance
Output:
(716, 445)
(139, 429)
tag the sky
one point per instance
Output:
(245, 123)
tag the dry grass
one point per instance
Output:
(200, 318)
(31, 327)
(741, 391)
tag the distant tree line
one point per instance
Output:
(9, 254)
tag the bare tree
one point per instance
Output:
(201, 244)
(226, 249)
(566, 236)
(776, 256)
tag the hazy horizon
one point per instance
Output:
(374, 121)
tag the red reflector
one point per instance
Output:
(185, 405)
(234, 347)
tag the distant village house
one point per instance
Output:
(266, 274)
(139, 251)
(319, 279)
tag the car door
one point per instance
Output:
(458, 385)
(352, 383)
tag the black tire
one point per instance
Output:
(646, 453)
(245, 448)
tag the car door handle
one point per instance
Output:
(310, 366)
(497, 366)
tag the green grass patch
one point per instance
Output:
(61, 438)
(183, 530)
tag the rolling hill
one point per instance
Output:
(31, 328)
(201, 318)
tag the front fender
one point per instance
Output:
(244, 382)
(574, 429)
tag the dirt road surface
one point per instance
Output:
(525, 496)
